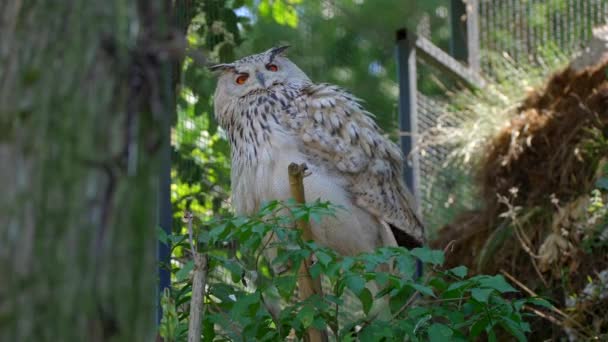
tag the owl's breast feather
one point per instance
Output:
(350, 232)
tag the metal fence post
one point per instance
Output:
(408, 118)
(464, 25)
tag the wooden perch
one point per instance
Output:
(307, 286)
(199, 281)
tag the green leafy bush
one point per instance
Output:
(443, 305)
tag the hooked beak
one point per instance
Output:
(261, 79)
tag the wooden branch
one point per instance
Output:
(307, 286)
(198, 295)
(199, 281)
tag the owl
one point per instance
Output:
(274, 115)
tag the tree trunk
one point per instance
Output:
(82, 104)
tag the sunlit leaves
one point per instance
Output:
(282, 11)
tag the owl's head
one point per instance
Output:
(254, 74)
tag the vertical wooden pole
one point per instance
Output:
(307, 286)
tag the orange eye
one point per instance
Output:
(242, 78)
(272, 67)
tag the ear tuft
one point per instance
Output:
(221, 67)
(277, 51)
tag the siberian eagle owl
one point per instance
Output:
(274, 115)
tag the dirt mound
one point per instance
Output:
(540, 151)
(536, 183)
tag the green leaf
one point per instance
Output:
(540, 302)
(208, 330)
(496, 282)
(260, 228)
(381, 278)
(236, 271)
(366, 299)
(513, 328)
(347, 263)
(218, 231)
(355, 283)
(399, 298)
(162, 235)
(439, 332)
(246, 306)
(378, 331)
(323, 257)
(319, 323)
(481, 295)
(286, 285)
(315, 270)
(479, 327)
(518, 304)
(423, 289)
(460, 271)
(406, 265)
(315, 217)
(491, 334)
(438, 283)
(306, 315)
(184, 272)
(429, 256)
(456, 289)
(417, 312)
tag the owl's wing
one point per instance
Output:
(335, 128)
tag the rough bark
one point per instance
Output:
(82, 101)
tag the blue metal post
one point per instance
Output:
(408, 115)
(165, 215)
(464, 24)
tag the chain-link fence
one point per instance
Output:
(522, 27)
(444, 190)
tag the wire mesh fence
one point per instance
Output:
(442, 194)
(520, 28)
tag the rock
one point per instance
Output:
(596, 52)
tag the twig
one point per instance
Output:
(409, 302)
(523, 239)
(518, 283)
(199, 281)
(188, 218)
(449, 247)
(306, 285)
(415, 295)
(553, 307)
(545, 316)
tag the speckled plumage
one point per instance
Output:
(279, 117)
